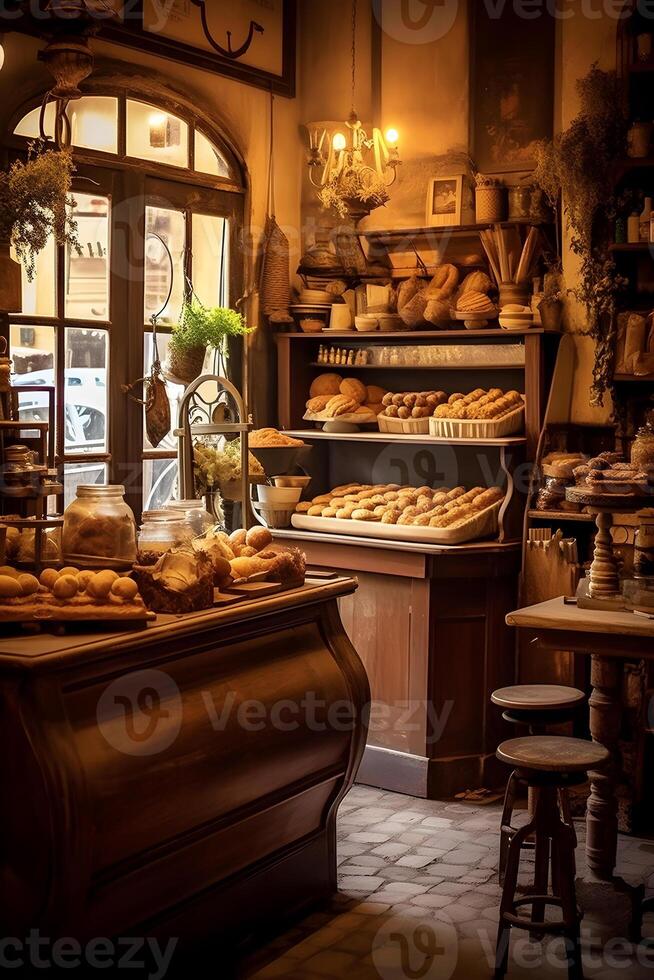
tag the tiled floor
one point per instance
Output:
(419, 899)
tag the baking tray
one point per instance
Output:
(481, 525)
(405, 427)
(508, 425)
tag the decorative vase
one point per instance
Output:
(490, 204)
(551, 313)
(11, 289)
(512, 293)
(185, 366)
(520, 202)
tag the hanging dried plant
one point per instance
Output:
(577, 168)
(36, 203)
(354, 190)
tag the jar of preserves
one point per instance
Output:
(197, 516)
(161, 530)
(99, 529)
(642, 449)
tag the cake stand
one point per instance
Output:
(603, 583)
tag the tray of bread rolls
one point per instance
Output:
(396, 513)
(71, 596)
(481, 414)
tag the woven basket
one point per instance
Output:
(403, 426)
(186, 366)
(510, 424)
(275, 286)
(490, 204)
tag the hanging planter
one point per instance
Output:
(200, 329)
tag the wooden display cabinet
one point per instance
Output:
(427, 620)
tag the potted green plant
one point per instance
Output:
(200, 328)
(35, 205)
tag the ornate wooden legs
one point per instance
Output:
(601, 816)
(604, 579)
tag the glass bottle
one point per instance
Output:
(645, 216)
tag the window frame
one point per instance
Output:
(131, 184)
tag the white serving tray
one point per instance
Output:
(481, 525)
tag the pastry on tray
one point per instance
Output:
(480, 404)
(247, 554)
(393, 504)
(333, 397)
(180, 582)
(609, 473)
(69, 596)
(412, 404)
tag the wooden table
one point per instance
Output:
(171, 779)
(608, 638)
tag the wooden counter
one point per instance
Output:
(182, 780)
(428, 623)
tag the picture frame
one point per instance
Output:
(512, 70)
(444, 201)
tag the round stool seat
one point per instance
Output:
(552, 753)
(537, 697)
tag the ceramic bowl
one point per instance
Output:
(366, 323)
(292, 481)
(311, 325)
(279, 497)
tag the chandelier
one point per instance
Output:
(352, 171)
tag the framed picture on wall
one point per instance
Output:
(444, 199)
(511, 86)
(253, 41)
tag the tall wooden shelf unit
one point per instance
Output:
(427, 620)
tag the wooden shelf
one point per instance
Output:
(417, 439)
(411, 335)
(633, 378)
(397, 234)
(641, 68)
(324, 537)
(632, 247)
(421, 367)
(561, 515)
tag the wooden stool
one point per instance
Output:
(547, 763)
(536, 706)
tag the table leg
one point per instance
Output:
(602, 810)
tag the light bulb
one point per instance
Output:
(392, 137)
(339, 142)
(2, 51)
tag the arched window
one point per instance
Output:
(142, 167)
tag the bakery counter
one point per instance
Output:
(428, 623)
(181, 780)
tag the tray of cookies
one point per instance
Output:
(480, 414)
(409, 412)
(434, 516)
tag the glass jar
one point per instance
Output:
(197, 516)
(99, 529)
(642, 449)
(161, 530)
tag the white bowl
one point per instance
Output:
(315, 296)
(366, 323)
(279, 497)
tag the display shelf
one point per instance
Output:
(420, 367)
(401, 439)
(392, 235)
(633, 378)
(411, 335)
(471, 547)
(560, 515)
(642, 247)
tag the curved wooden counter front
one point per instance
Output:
(179, 781)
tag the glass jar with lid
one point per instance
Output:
(99, 529)
(642, 449)
(161, 530)
(197, 516)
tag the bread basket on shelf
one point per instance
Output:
(510, 424)
(403, 426)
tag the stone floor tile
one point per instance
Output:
(398, 890)
(369, 860)
(371, 908)
(467, 855)
(360, 883)
(415, 861)
(348, 870)
(362, 837)
(432, 901)
(391, 850)
(414, 837)
(473, 899)
(396, 873)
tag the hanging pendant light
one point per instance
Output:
(351, 170)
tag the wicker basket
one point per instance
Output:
(479, 428)
(407, 427)
(186, 367)
(490, 204)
